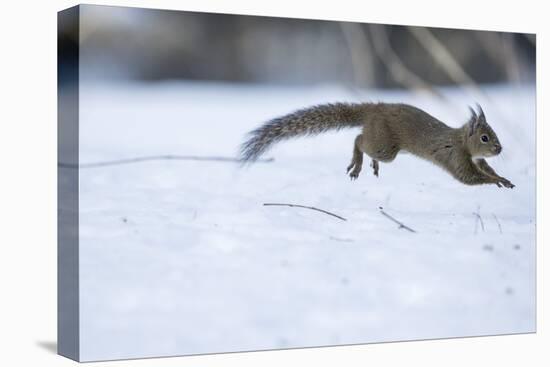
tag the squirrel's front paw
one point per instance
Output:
(506, 183)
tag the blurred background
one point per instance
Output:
(156, 45)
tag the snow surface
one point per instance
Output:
(181, 257)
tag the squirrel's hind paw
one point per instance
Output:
(375, 167)
(354, 174)
(353, 170)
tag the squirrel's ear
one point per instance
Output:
(481, 113)
(473, 122)
(473, 112)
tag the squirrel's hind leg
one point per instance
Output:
(356, 161)
(380, 145)
(375, 167)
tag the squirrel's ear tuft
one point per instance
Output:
(473, 112)
(473, 122)
(481, 113)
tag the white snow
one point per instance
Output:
(180, 257)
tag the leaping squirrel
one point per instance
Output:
(388, 128)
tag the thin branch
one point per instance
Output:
(306, 207)
(360, 53)
(167, 157)
(501, 48)
(400, 73)
(480, 220)
(491, 44)
(444, 57)
(512, 64)
(400, 224)
(498, 222)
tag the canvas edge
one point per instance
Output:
(68, 317)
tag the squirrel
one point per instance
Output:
(387, 129)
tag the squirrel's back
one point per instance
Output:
(405, 126)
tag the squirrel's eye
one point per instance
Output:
(484, 138)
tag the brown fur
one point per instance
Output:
(387, 130)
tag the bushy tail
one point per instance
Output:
(309, 121)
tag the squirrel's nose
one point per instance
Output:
(498, 148)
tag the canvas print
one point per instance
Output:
(237, 183)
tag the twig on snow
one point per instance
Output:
(166, 157)
(401, 225)
(306, 207)
(340, 239)
(498, 222)
(480, 220)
